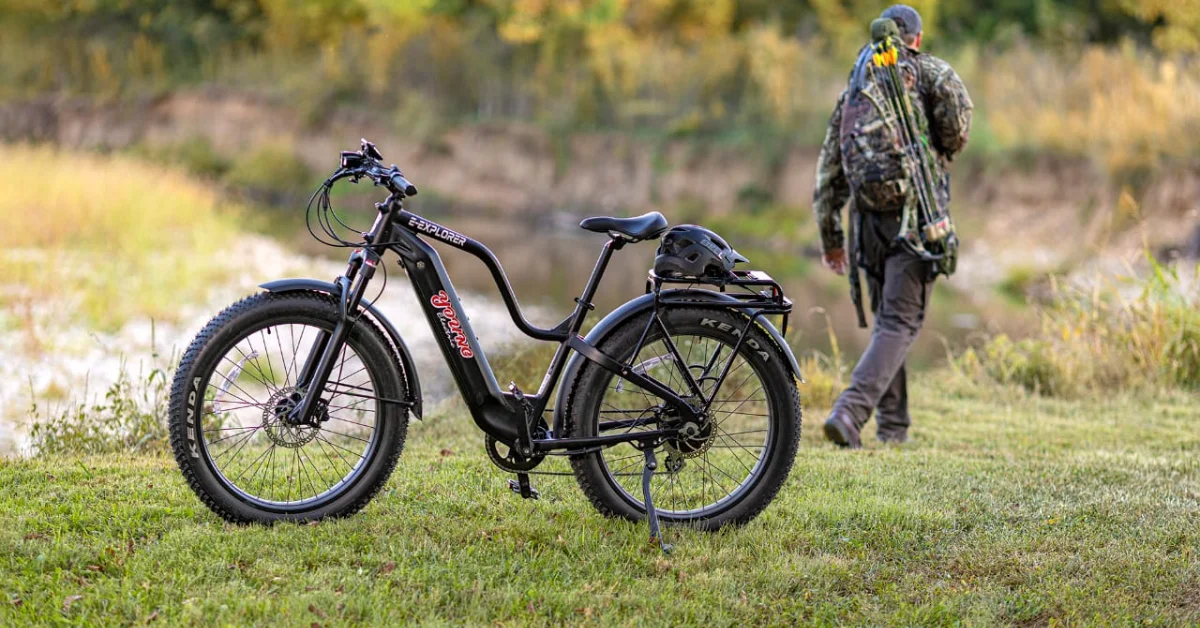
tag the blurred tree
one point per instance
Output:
(1176, 22)
(679, 66)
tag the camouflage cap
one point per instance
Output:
(905, 17)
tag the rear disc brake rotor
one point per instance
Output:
(694, 438)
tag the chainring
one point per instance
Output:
(512, 462)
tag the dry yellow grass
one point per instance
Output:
(1124, 108)
(113, 236)
(1143, 338)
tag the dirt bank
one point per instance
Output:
(1032, 214)
(520, 168)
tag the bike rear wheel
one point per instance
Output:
(229, 410)
(729, 466)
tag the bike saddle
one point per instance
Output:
(637, 228)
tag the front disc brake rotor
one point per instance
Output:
(275, 419)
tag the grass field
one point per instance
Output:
(1006, 509)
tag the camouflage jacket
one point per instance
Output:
(941, 101)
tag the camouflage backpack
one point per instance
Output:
(873, 155)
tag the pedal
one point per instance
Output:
(522, 487)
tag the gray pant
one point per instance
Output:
(879, 382)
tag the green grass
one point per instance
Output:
(1006, 508)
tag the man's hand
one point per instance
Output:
(835, 260)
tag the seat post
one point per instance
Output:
(584, 303)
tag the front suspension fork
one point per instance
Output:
(319, 364)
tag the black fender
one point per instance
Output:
(636, 307)
(413, 383)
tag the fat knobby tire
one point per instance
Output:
(586, 391)
(199, 364)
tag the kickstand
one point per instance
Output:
(651, 512)
(522, 487)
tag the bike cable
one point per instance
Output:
(325, 210)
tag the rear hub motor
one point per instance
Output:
(695, 437)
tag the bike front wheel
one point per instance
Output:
(723, 470)
(230, 404)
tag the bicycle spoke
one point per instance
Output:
(239, 446)
(337, 418)
(233, 382)
(254, 462)
(262, 377)
(702, 479)
(287, 373)
(296, 346)
(708, 467)
(355, 407)
(253, 446)
(227, 410)
(746, 432)
(739, 460)
(267, 354)
(344, 435)
(333, 444)
(227, 429)
(225, 438)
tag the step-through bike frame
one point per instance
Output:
(511, 417)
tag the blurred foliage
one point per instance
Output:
(1144, 336)
(195, 154)
(1016, 283)
(271, 174)
(1176, 22)
(1042, 71)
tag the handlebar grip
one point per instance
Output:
(403, 185)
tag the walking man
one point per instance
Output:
(862, 164)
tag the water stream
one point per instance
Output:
(79, 364)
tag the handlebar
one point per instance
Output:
(397, 179)
(365, 163)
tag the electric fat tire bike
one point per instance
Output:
(293, 404)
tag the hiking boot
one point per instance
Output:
(895, 438)
(840, 429)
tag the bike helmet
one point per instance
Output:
(693, 251)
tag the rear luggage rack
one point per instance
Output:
(754, 289)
